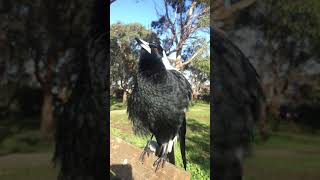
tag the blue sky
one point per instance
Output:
(141, 11)
(129, 11)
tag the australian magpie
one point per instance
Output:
(158, 102)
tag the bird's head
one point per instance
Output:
(150, 51)
(152, 54)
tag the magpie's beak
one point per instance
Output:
(144, 44)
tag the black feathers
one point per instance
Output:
(159, 99)
(238, 102)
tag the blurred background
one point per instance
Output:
(38, 59)
(281, 40)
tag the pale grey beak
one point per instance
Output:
(144, 44)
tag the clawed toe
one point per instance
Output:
(142, 155)
(160, 161)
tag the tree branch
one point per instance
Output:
(171, 25)
(199, 51)
(190, 12)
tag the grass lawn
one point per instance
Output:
(197, 140)
(285, 156)
(24, 153)
(31, 166)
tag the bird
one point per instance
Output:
(158, 103)
(238, 104)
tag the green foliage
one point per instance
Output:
(203, 65)
(125, 33)
(200, 63)
(204, 22)
(24, 141)
(300, 19)
(124, 51)
(176, 24)
(116, 104)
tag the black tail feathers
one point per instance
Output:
(182, 137)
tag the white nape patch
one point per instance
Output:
(171, 144)
(125, 161)
(166, 62)
(185, 110)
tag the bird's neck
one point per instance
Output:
(152, 68)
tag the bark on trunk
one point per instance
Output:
(46, 124)
(124, 97)
(47, 105)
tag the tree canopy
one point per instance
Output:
(180, 24)
(124, 52)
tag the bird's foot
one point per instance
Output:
(160, 161)
(144, 152)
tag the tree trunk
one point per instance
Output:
(47, 114)
(47, 105)
(125, 96)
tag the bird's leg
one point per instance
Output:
(146, 150)
(163, 157)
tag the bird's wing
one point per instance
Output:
(187, 89)
(237, 94)
(234, 77)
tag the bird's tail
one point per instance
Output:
(182, 137)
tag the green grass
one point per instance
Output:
(34, 166)
(25, 154)
(28, 173)
(285, 156)
(197, 140)
(116, 104)
(25, 142)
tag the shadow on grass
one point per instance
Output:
(121, 171)
(198, 143)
